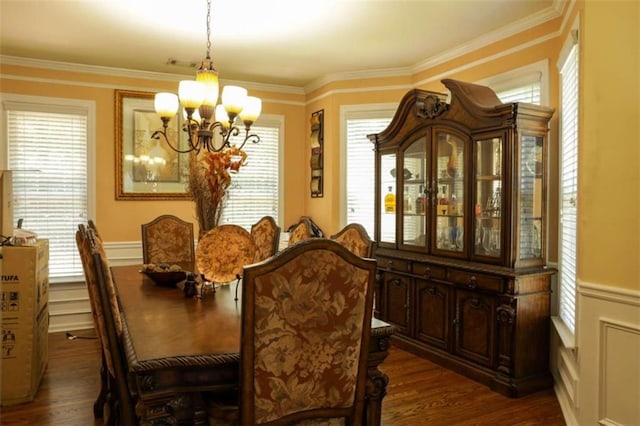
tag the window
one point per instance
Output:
(525, 84)
(360, 161)
(255, 189)
(568, 184)
(528, 92)
(48, 145)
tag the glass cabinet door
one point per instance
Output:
(388, 198)
(449, 190)
(414, 200)
(530, 200)
(488, 198)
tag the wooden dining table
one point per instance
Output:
(179, 347)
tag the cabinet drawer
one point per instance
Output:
(472, 280)
(394, 264)
(429, 271)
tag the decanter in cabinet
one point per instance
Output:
(460, 230)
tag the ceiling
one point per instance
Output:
(282, 42)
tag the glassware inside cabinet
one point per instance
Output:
(449, 189)
(414, 231)
(488, 197)
(388, 198)
(530, 240)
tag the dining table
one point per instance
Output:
(178, 348)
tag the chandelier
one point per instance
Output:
(203, 117)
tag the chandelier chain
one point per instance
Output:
(208, 29)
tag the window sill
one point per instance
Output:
(566, 336)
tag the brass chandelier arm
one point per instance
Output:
(253, 138)
(158, 133)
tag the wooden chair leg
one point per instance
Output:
(98, 405)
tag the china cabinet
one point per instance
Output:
(460, 234)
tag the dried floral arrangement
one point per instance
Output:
(209, 179)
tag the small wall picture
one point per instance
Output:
(316, 144)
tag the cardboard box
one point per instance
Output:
(24, 280)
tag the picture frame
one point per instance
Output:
(317, 155)
(147, 168)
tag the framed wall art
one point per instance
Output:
(317, 155)
(146, 167)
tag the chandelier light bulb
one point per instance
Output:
(166, 104)
(251, 110)
(191, 94)
(234, 99)
(222, 116)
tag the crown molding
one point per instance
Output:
(490, 38)
(552, 12)
(358, 75)
(143, 75)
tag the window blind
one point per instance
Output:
(48, 154)
(568, 188)
(361, 169)
(529, 93)
(254, 190)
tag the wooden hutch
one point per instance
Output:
(461, 190)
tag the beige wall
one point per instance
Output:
(608, 236)
(609, 153)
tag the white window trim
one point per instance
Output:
(11, 101)
(568, 337)
(348, 112)
(537, 71)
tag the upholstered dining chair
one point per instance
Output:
(266, 235)
(114, 392)
(305, 228)
(354, 237)
(168, 239)
(311, 304)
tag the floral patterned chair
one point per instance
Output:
(114, 393)
(168, 239)
(306, 321)
(266, 235)
(304, 229)
(356, 239)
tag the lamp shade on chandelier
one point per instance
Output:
(204, 116)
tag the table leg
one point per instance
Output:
(376, 387)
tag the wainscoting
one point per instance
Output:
(69, 307)
(598, 380)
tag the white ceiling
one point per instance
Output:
(284, 42)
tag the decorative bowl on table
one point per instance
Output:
(164, 274)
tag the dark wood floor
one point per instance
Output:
(419, 393)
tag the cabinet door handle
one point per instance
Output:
(473, 282)
(427, 273)
(389, 263)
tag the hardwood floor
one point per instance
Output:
(419, 393)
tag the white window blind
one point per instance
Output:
(529, 93)
(48, 153)
(360, 168)
(568, 188)
(255, 189)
